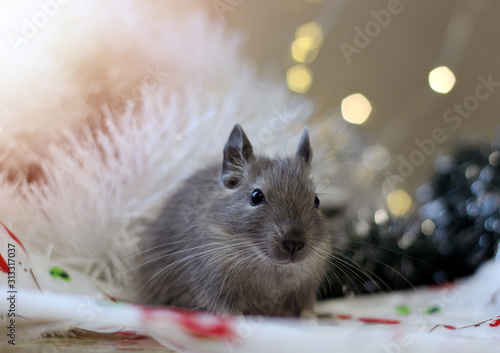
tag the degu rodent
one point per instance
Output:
(244, 237)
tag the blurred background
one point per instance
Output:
(417, 76)
(400, 70)
(410, 79)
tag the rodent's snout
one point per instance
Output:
(293, 246)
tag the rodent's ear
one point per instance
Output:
(237, 151)
(304, 150)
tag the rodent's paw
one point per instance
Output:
(309, 316)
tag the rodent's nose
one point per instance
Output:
(293, 246)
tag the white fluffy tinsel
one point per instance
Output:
(106, 143)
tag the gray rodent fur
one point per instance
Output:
(219, 246)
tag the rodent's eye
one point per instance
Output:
(316, 201)
(257, 197)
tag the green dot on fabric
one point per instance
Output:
(403, 309)
(432, 310)
(57, 272)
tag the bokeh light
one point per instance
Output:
(399, 203)
(441, 79)
(356, 108)
(376, 157)
(428, 227)
(381, 217)
(308, 40)
(302, 52)
(310, 34)
(299, 78)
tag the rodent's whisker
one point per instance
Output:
(352, 266)
(190, 257)
(390, 250)
(167, 255)
(219, 267)
(347, 268)
(385, 265)
(157, 247)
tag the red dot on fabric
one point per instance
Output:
(370, 320)
(3, 265)
(495, 323)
